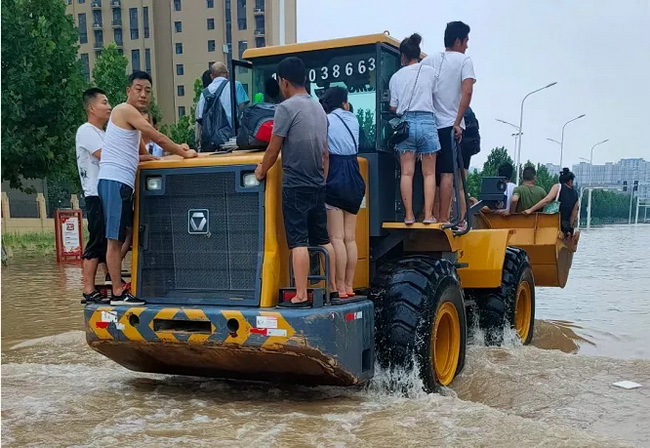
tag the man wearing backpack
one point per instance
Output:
(452, 96)
(214, 122)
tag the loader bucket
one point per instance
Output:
(540, 236)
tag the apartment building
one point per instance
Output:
(177, 40)
(614, 174)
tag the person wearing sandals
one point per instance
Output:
(345, 187)
(411, 97)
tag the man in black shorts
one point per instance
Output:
(300, 132)
(452, 96)
(88, 142)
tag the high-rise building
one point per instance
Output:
(616, 175)
(177, 40)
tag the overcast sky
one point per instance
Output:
(597, 51)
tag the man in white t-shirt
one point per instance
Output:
(452, 96)
(89, 142)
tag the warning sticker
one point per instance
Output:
(276, 332)
(266, 322)
(354, 316)
(109, 316)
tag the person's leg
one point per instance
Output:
(95, 251)
(114, 263)
(407, 167)
(89, 269)
(429, 175)
(300, 260)
(350, 225)
(317, 230)
(126, 246)
(445, 165)
(294, 215)
(336, 231)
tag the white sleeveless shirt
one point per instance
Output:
(120, 155)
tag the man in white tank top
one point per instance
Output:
(117, 170)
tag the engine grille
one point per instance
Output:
(219, 266)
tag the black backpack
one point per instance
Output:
(471, 141)
(215, 129)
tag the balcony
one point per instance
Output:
(260, 32)
(116, 23)
(97, 26)
(116, 4)
(96, 4)
(258, 11)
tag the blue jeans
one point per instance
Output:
(423, 134)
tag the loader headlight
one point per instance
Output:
(249, 180)
(154, 183)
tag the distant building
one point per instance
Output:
(614, 174)
(177, 40)
(553, 169)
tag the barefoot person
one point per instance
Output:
(89, 142)
(300, 132)
(117, 170)
(345, 186)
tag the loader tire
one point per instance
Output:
(513, 304)
(420, 316)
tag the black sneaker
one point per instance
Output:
(95, 297)
(126, 299)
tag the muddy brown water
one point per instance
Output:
(556, 393)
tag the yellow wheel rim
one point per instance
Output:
(523, 310)
(445, 343)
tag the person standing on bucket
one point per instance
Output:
(117, 171)
(300, 132)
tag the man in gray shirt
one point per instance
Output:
(300, 132)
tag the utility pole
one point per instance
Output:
(636, 218)
(589, 189)
(629, 217)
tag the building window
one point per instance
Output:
(260, 42)
(133, 23)
(241, 14)
(147, 60)
(117, 17)
(210, 24)
(177, 5)
(180, 70)
(209, 3)
(259, 24)
(68, 2)
(180, 90)
(85, 66)
(178, 26)
(99, 39)
(83, 29)
(135, 60)
(81, 2)
(212, 45)
(97, 18)
(259, 5)
(210, 64)
(145, 20)
(181, 111)
(243, 45)
(117, 36)
(179, 48)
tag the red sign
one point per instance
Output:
(68, 234)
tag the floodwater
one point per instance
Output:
(558, 393)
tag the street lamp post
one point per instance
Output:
(521, 127)
(591, 160)
(562, 139)
(515, 135)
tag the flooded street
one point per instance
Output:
(58, 392)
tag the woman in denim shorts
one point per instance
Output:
(411, 97)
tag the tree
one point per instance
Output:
(109, 74)
(42, 83)
(544, 178)
(183, 130)
(497, 157)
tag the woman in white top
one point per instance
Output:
(411, 96)
(345, 187)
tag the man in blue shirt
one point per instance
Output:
(219, 74)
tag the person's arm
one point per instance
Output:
(467, 85)
(198, 119)
(548, 198)
(574, 214)
(514, 201)
(241, 96)
(394, 102)
(326, 159)
(98, 154)
(135, 119)
(465, 100)
(270, 156)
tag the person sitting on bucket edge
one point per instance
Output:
(300, 133)
(527, 194)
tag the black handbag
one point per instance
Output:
(401, 129)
